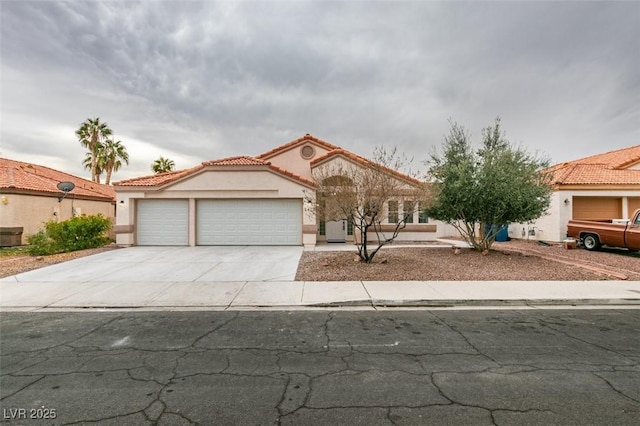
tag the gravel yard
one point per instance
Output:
(505, 262)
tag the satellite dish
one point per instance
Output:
(65, 187)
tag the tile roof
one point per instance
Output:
(618, 159)
(289, 145)
(261, 160)
(243, 160)
(609, 168)
(17, 176)
(364, 162)
(158, 179)
(169, 177)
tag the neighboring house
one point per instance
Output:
(600, 187)
(243, 201)
(29, 197)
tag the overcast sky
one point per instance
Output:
(196, 81)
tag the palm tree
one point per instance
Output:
(162, 165)
(91, 133)
(112, 154)
(88, 159)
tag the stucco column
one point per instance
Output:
(625, 208)
(192, 222)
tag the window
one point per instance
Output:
(407, 211)
(322, 230)
(350, 226)
(422, 214)
(393, 212)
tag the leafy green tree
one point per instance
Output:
(495, 185)
(112, 154)
(162, 165)
(91, 134)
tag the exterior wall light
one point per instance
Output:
(566, 201)
(4, 200)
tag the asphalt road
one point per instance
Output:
(505, 367)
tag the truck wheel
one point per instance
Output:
(591, 242)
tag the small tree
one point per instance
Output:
(495, 185)
(162, 165)
(359, 191)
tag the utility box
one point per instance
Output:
(569, 244)
(11, 236)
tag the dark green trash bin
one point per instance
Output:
(11, 236)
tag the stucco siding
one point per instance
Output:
(292, 160)
(32, 211)
(553, 226)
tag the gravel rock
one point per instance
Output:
(510, 261)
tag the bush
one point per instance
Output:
(77, 233)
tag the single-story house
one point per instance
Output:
(244, 200)
(29, 196)
(599, 187)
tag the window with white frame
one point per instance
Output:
(393, 212)
(422, 214)
(408, 207)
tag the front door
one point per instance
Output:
(336, 231)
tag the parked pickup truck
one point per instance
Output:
(594, 234)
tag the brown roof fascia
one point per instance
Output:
(293, 177)
(294, 143)
(32, 192)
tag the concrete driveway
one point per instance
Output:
(175, 264)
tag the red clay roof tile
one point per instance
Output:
(609, 168)
(243, 160)
(289, 145)
(158, 179)
(20, 176)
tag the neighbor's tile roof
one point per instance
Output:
(289, 145)
(169, 177)
(364, 162)
(17, 176)
(609, 168)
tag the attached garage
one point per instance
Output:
(162, 222)
(634, 204)
(249, 222)
(597, 208)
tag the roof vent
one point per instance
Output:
(307, 152)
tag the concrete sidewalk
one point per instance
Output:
(223, 295)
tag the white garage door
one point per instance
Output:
(163, 223)
(249, 222)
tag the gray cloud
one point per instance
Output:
(201, 80)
